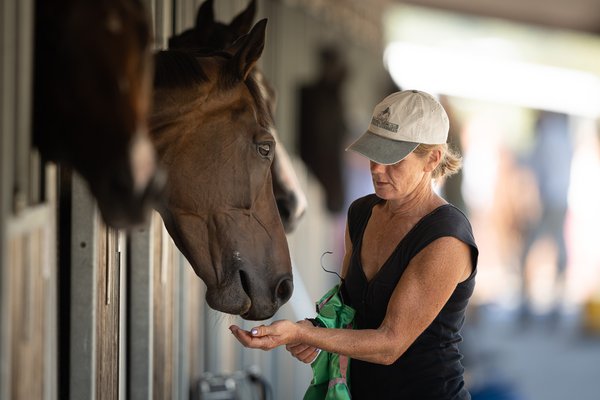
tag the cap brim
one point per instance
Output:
(382, 150)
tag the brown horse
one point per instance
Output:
(209, 35)
(211, 128)
(92, 87)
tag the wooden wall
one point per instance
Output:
(28, 308)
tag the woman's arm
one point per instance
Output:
(422, 291)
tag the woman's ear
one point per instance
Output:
(433, 159)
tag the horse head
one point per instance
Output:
(93, 82)
(209, 35)
(211, 128)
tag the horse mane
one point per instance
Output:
(178, 68)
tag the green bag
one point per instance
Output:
(331, 372)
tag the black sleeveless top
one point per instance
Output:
(431, 367)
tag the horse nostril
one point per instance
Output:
(284, 290)
(284, 210)
(244, 282)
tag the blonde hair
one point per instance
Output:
(450, 163)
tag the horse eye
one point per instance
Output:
(264, 149)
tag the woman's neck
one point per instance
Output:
(418, 204)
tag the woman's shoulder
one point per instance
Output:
(446, 220)
(364, 202)
(358, 214)
(449, 212)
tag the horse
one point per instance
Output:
(214, 35)
(209, 35)
(212, 131)
(92, 91)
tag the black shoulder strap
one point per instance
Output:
(358, 215)
(446, 221)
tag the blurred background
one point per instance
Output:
(520, 80)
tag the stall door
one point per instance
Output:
(97, 304)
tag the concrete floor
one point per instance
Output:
(540, 360)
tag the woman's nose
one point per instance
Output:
(375, 167)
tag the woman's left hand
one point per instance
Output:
(267, 337)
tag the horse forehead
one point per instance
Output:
(216, 114)
(236, 99)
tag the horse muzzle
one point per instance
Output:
(251, 298)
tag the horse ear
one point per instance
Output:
(241, 24)
(206, 15)
(248, 49)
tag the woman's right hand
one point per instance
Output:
(303, 352)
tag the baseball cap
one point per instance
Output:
(401, 122)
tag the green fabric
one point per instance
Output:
(331, 372)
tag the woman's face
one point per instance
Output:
(396, 181)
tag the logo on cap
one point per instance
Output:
(382, 121)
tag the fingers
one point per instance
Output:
(244, 337)
(251, 339)
(260, 331)
(316, 354)
(262, 337)
(309, 355)
(266, 337)
(296, 348)
(302, 352)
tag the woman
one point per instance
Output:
(408, 269)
